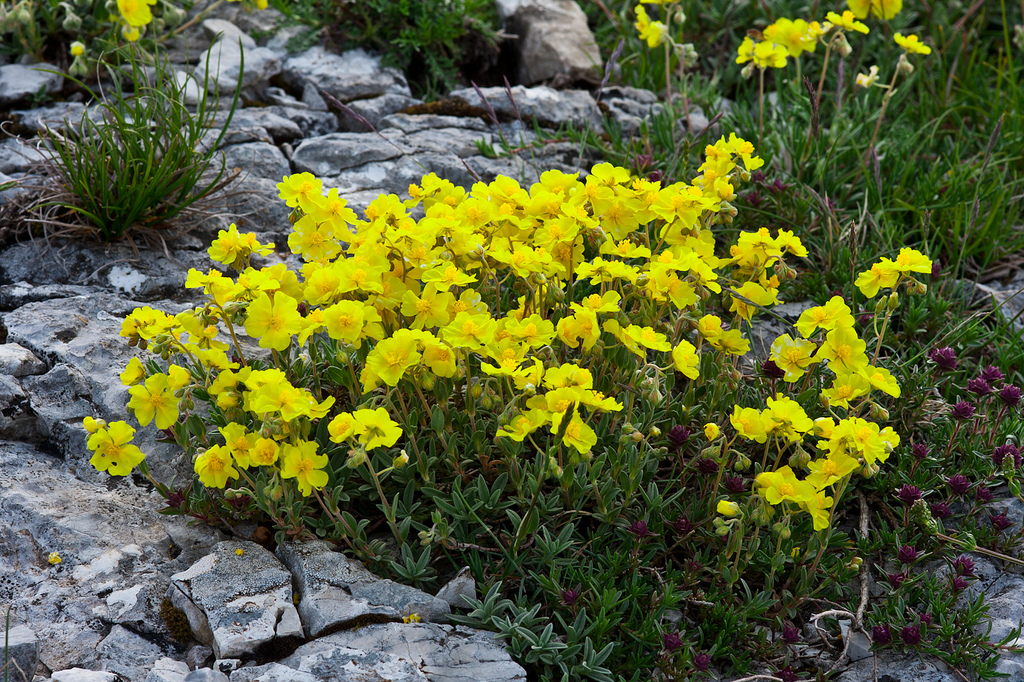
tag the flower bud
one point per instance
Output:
(880, 306)
(869, 470)
(879, 413)
(894, 302)
(72, 23)
(799, 459)
(855, 563)
(843, 46)
(904, 66)
(636, 437)
(747, 71)
(401, 460)
(782, 530)
(723, 531)
(728, 509)
(742, 463)
(711, 431)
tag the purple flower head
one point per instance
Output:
(940, 510)
(786, 674)
(571, 596)
(979, 387)
(909, 494)
(1000, 522)
(963, 565)
(176, 498)
(906, 554)
(1002, 451)
(936, 268)
(677, 436)
(896, 579)
(693, 566)
(701, 662)
(926, 618)
(1010, 395)
(911, 635)
(790, 634)
(757, 176)
(958, 483)
(754, 198)
(944, 358)
(734, 484)
(962, 410)
(778, 186)
(640, 530)
(864, 319)
(643, 160)
(959, 583)
(881, 634)
(919, 451)
(983, 495)
(671, 641)
(992, 375)
(707, 466)
(655, 176)
(682, 525)
(771, 371)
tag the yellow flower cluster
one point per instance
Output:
(411, 301)
(850, 443)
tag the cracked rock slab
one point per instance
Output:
(335, 590)
(245, 598)
(439, 653)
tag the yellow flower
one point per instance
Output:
(273, 322)
(785, 418)
(845, 388)
(654, 32)
(133, 373)
(748, 424)
(93, 425)
(388, 361)
(239, 551)
(113, 451)
(53, 559)
(303, 464)
(154, 399)
(911, 260)
(470, 331)
(214, 467)
(757, 294)
(783, 485)
(883, 9)
(793, 356)
(429, 309)
(446, 276)
(727, 508)
(796, 36)
(711, 430)
(77, 49)
(686, 360)
(344, 321)
(847, 21)
(136, 12)
(826, 471)
(882, 379)
(411, 618)
(375, 428)
(579, 435)
(302, 187)
(844, 350)
(912, 43)
(764, 54)
(866, 80)
(523, 425)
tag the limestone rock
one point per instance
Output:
(18, 420)
(462, 585)
(373, 110)
(219, 66)
(167, 670)
(272, 672)
(246, 598)
(413, 123)
(328, 155)
(129, 655)
(355, 74)
(550, 107)
(83, 675)
(53, 116)
(335, 590)
(19, 362)
(206, 675)
(554, 40)
(22, 650)
(257, 160)
(19, 82)
(17, 156)
(436, 652)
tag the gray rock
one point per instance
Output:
(257, 160)
(1005, 610)
(1013, 669)
(280, 128)
(18, 420)
(442, 653)
(22, 652)
(355, 74)
(18, 157)
(311, 98)
(220, 29)
(282, 36)
(197, 656)
(61, 394)
(279, 96)
(129, 655)
(373, 110)
(311, 122)
(225, 61)
(256, 206)
(206, 675)
(8, 195)
(227, 665)
(18, 82)
(53, 116)
(246, 599)
(19, 362)
(550, 107)
(459, 141)
(859, 647)
(413, 123)
(395, 176)
(271, 672)
(898, 667)
(335, 590)
(554, 40)
(83, 675)
(461, 586)
(167, 670)
(328, 155)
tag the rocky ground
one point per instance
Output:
(140, 596)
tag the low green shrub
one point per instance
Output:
(145, 163)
